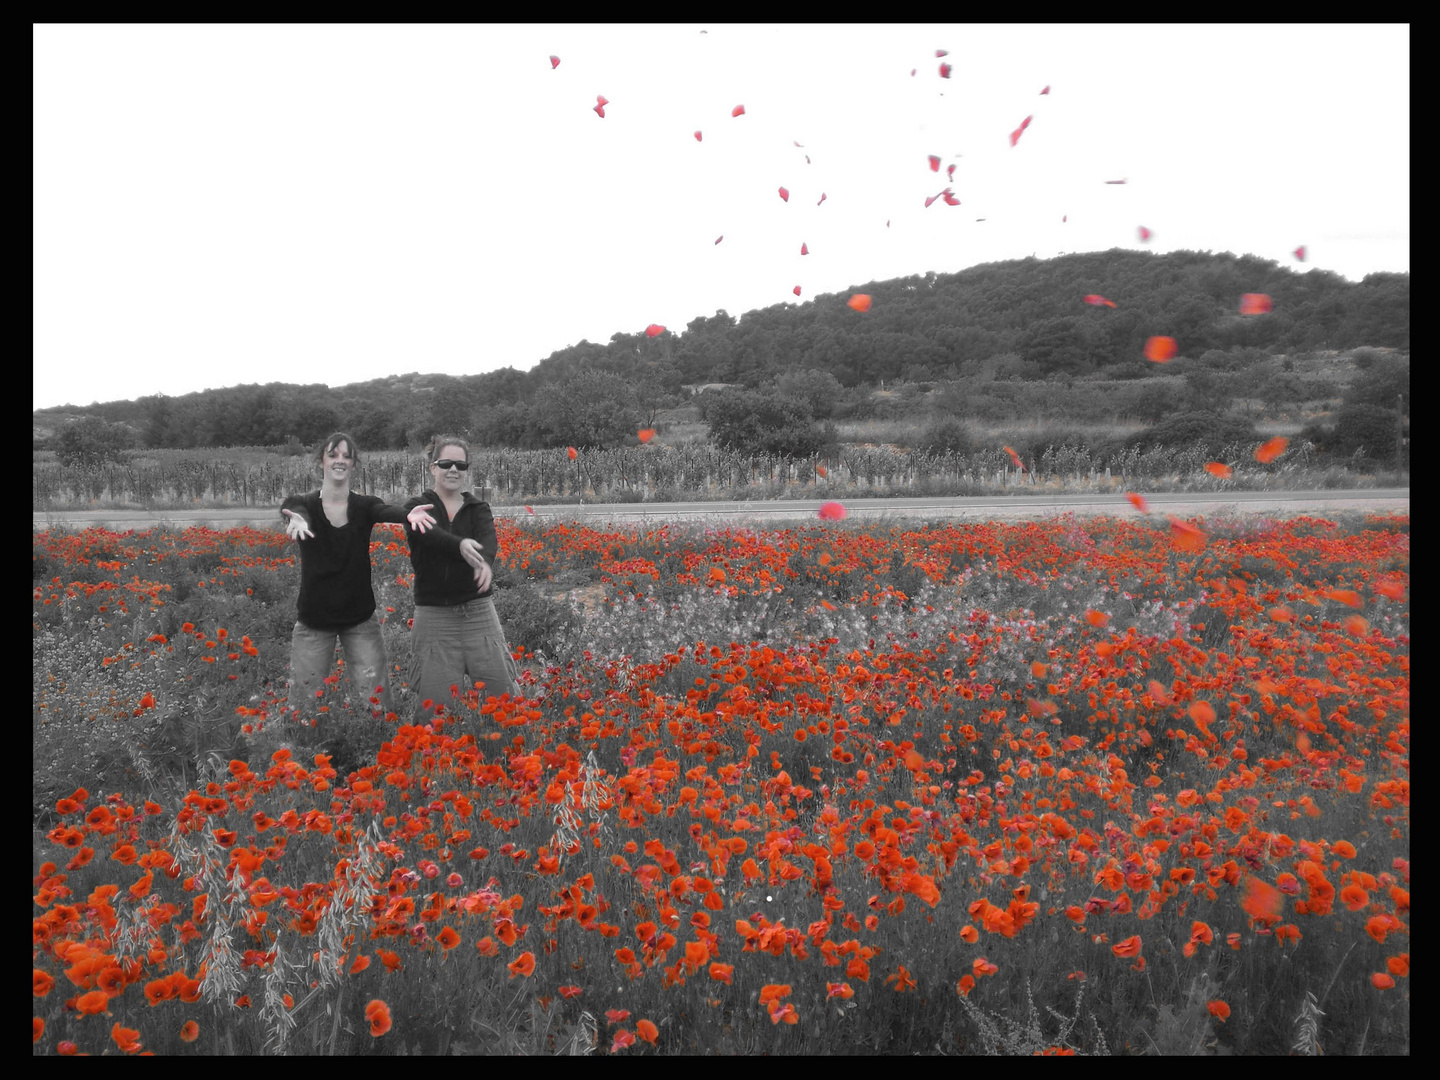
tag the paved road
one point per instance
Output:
(981, 508)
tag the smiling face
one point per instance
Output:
(338, 461)
(449, 481)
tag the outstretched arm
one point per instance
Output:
(296, 526)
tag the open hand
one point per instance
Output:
(420, 520)
(483, 577)
(296, 527)
(472, 553)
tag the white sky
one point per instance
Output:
(216, 205)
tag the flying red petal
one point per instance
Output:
(1255, 303)
(950, 199)
(822, 198)
(1064, 218)
(1096, 300)
(600, 111)
(601, 99)
(1026, 122)
(950, 172)
(530, 509)
(1184, 536)
(654, 330)
(800, 145)
(928, 201)
(797, 290)
(944, 71)
(887, 220)
(697, 136)
(719, 238)
(1299, 253)
(807, 159)
(831, 511)
(1160, 349)
(941, 52)
(1145, 233)
(1269, 451)
(912, 72)
(1218, 469)
(572, 452)
(1015, 135)
(860, 302)
(554, 62)
(1045, 91)
(934, 163)
(803, 249)
(1015, 458)
(1117, 181)
(739, 110)
(645, 434)
(785, 195)
(1138, 501)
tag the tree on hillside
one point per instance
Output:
(92, 441)
(596, 408)
(752, 422)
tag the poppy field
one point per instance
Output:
(1097, 786)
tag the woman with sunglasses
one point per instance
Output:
(458, 640)
(332, 527)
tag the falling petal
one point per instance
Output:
(719, 238)
(822, 198)
(1269, 451)
(796, 290)
(530, 509)
(807, 159)
(554, 62)
(1045, 91)
(799, 145)
(1184, 536)
(697, 136)
(928, 201)
(1015, 135)
(1117, 181)
(784, 195)
(950, 199)
(912, 73)
(1145, 233)
(1160, 349)
(860, 302)
(1299, 253)
(822, 471)
(831, 511)
(600, 111)
(572, 452)
(1255, 303)
(645, 434)
(1138, 501)
(1096, 300)
(1015, 458)
(1217, 468)
(941, 52)
(739, 110)
(944, 71)
(1064, 218)
(804, 250)
(934, 163)
(950, 172)
(654, 330)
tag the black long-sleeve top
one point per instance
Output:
(336, 590)
(442, 576)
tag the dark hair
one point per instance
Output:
(335, 440)
(439, 442)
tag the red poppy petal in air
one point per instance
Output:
(797, 290)
(645, 434)
(950, 172)
(860, 302)
(912, 73)
(941, 52)
(804, 250)
(798, 144)
(1160, 349)
(950, 199)
(1269, 451)
(1218, 468)
(719, 238)
(822, 198)
(1138, 501)
(1015, 458)
(697, 136)
(739, 110)
(1096, 300)
(831, 511)
(654, 330)
(530, 509)
(930, 199)
(934, 163)
(785, 195)
(944, 71)
(1145, 233)
(1064, 218)
(554, 62)
(1255, 303)
(1299, 253)
(572, 452)
(600, 111)
(1117, 181)
(1045, 91)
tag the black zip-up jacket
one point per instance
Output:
(442, 576)
(336, 589)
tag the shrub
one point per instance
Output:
(946, 433)
(751, 422)
(1366, 427)
(1209, 429)
(532, 619)
(92, 441)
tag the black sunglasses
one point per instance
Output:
(445, 465)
